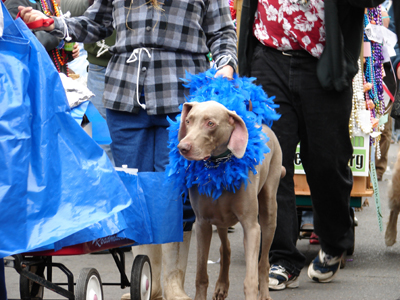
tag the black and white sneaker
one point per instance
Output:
(280, 279)
(324, 267)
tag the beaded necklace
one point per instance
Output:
(58, 56)
(373, 68)
(373, 77)
(360, 122)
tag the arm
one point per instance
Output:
(96, 24)
(221, 36)
(385, 18)
(46, 39)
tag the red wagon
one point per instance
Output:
(36, 269)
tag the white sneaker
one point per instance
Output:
(324, 267)
(280, 279)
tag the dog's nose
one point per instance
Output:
(184, 148)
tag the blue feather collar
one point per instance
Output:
(228, 174)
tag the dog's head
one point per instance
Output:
(210, 129)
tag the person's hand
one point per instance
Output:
(29, 15)
(226, 71)
(75, 51)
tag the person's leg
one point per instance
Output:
(95, 83)
(386, 136)
(161, 137)
(132, 139)
(272, 70)
(393, 130)
(384, 143)
(325, 150)
(133, 145)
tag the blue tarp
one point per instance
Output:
(57, 186)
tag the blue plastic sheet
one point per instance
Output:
(100, 132)
(78, 112)
(153, 217)
(57, 186)
(165, 222)
(54, 180)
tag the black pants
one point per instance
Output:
(319, 119)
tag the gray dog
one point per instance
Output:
(209, 129)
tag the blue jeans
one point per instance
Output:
(319, 119)
(141, 141)
(95, 83)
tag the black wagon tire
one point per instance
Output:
(30, 289)
(88, 285)
(141, 278)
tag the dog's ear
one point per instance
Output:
(185, 111)
(239, 137)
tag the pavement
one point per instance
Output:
(371, 273)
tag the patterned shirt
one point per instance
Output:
(289, 25)
(154, 47)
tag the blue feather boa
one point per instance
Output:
(234, 95)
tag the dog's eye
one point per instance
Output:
(210, 124)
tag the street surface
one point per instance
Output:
(371, 273)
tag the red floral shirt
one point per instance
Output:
(287, 25)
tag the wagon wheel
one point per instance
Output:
(141, 278)
(88, 285)
(30, 289)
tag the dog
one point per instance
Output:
(208, 129)
(394, 204)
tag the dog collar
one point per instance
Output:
(215, 161)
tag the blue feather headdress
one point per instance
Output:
(235, 95)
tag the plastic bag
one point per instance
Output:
(153, 217)
(55, 180)
(165, 222)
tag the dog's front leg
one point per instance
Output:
(251, 230)
(203, 236)
(267, 212)
(222, 285)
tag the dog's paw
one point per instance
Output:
(221, 291)
(390, 238)
(268, 298)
